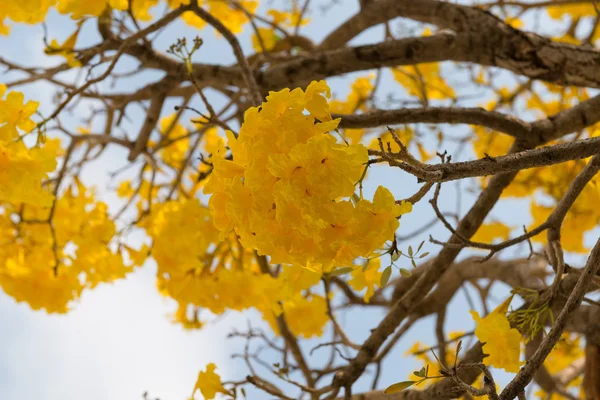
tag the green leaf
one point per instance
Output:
(385, 276)
(355, 199)
(421, 373)
(398, 387)
(424, 254)
(414, 264)
(410, 251)
(405, 273)
(395, 255)
(341, 271)
(420, 246)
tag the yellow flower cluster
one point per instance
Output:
(232, 17)
(22, 170)
(201, 271)
(572, 10)
(501, 343)
(27, 11)
(47, 263)
(34, 11)
(285, 191)
(269, 35)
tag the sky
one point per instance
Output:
(118, 341)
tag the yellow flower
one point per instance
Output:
(66, 49)
(79, 9)
(501, 342)
(286, 190)
(15, 114)
(423, 80)
(232, 17)
(360, 91)
(573, 10)
(21, 174)
(367, 279)
(50, 274)
(176, 144)
(288, 19)
(26, 11)
(306, 317)
(489, 232)
(181, 317)
(268, 37)
(125, 189)
(209, 383)
(566, 352)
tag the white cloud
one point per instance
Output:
(116, 343)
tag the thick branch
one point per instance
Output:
(488, 40)
(439, 115)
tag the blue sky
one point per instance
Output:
(118, 342)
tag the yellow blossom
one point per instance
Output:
(423, 81)
(281, 192)
(491, 231)
(209, 383)
(501, 342)
(66, 49)
(305, 317)
(268, 37)
(367, 278)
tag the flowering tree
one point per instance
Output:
(250, 192)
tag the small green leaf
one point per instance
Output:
(355, 199)
(405, 273)
(424, 254)
(410, 251)
(421, 373)
(414, 264)
(341, 271)
(395, 255)
(420, 246)
(398, 387)
(385, 276)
